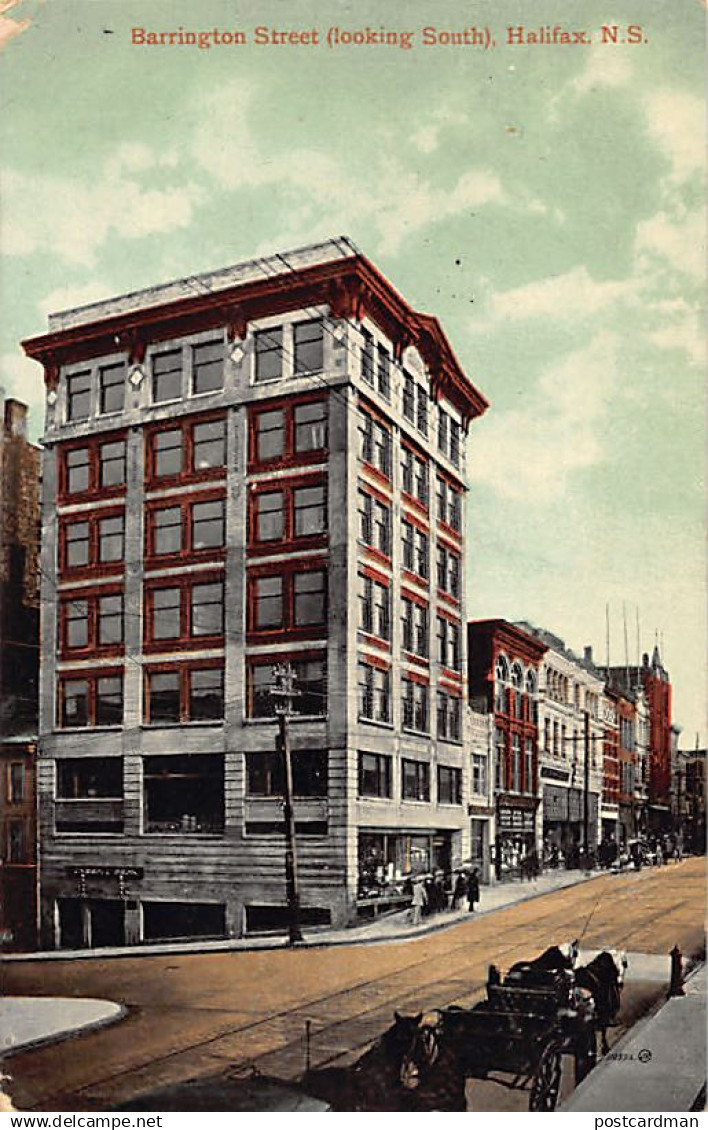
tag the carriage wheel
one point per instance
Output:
(546, 1080)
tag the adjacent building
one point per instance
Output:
(262, 464)
(19, 650)
(504, 668)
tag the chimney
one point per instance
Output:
(587, 653)
(15, 418)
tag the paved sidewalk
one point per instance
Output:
(36, 1020)
(387, 928)
(660, 1065)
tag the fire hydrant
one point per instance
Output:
(676, 988)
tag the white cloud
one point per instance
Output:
(572, 295)
(532, 452)
(72, 219)
(605, 67)
(676, 121)
(677, 239)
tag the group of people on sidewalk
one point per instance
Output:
(431, 894)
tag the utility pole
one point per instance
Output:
(284, 692)
(586, 786)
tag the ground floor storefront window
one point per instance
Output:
(388, 861)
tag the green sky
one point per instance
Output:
(545, 202)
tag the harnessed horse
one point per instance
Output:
(601, 981)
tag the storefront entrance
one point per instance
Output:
(91, 923)
(388, 861)
(515, 850)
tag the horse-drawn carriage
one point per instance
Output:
(517, 1036)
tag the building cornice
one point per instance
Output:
(350, 287)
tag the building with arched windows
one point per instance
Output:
(504, 670)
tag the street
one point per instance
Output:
(192, 1015)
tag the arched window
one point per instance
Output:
(501, 678)
(516, 696)
(531, 689)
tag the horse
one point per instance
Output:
(6, 1104)
(601, 981)
(552, 960)
(382, 1078)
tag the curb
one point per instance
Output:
(67, 1033)
(234, 945)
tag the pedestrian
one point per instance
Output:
(429, 890)
(473, 889)
(440, 893)
(659, 854)
(459, 894)
(417, 902)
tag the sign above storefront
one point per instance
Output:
(105, 872)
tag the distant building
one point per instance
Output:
(481, 808)
(691, 799)
(19, 662)
(257, 465)
(504, 666)
(655, 682)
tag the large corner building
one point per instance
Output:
(257, 465)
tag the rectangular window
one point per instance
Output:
(77, 545)
(109, 700)
(78, 396)
(111, 388)
(449, 785)
(449, 650)
(422, 554)
(310, 427)
(184, 793)
(455, 434)
(421, 481)
(366, 604)
(74, 703)
(269, 516)
(309, 598)
(184, 694)
(208, 524)
(374, 775)
(383, 373)
(309, 511)
(110, 620)
(167, 452)
(94, 700)
(382, 449)
(265, 773)
(77, 624)
(77, 470)
(16, 782)
(17, 841)
(268, 604)
(163, 689)
(442, 503)
(81, 778)
(367, 357)
(208, 366)
(308, 344)
(455, 510)
(528, 766)
(167, 376)
(166, 530)
(270, 435)
(499, 758)
(449, 716)
(310, 683)
(453, 585)
(516, 763)
(422, 411)
(382, 528)
(415, 780)
(112, 463)
(111, 537)
(366, 511)
(269, 354)
(443, 431)
(207, 609)
(409, 397)
(407, 470)
(479, 774)
(414, 698)
(208, 445)
(166, 620)
(407, 544)
(374, 693)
